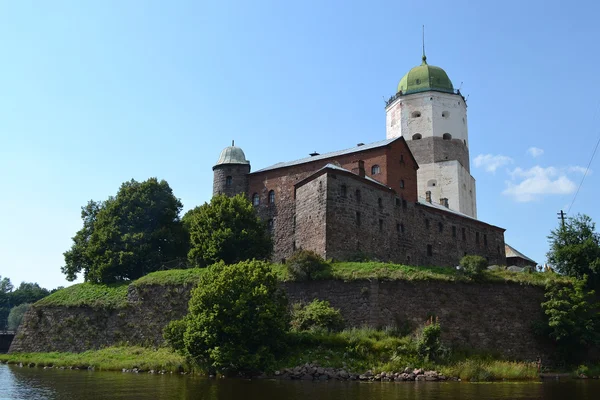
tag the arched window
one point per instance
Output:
(445, 114)
(431, 183)
(447, 136)
(416, 114)
(401, 183)
(272, 197)
(417, 136)
(375, 169)
(228, 181)
(255, 199)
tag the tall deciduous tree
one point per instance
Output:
(28, 292)
(6, 288)
(226, 229)
(575, 249)
(127, 236)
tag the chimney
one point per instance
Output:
(360, 144)
(428, 196)
(359, 169)
(314, 153)
(444, 202)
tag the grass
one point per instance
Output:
(108, 359)
(189, 276)
(88, 294)
(491, 370)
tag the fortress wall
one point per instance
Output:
(494, 316)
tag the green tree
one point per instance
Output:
(237, 319)
(16, 316)
(573, 319)
(575, 249)
(226, 229)
(127, 236)
(6, 288)
(28, 292)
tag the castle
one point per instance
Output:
(407, 199)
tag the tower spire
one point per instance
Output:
(424, 58)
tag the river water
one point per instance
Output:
(36, 383)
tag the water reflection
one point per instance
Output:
(34, 383)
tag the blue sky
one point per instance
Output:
(96, 93)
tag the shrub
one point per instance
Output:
(16, 316)
(173, 335)
(307, 265)
(237, 320)
(429, 344)
(473, 266)
(317, 314)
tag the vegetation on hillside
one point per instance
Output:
(11, 299)
(89, 295)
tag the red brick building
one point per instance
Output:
(357, 202)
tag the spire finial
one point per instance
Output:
(424, 58)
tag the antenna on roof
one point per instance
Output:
(424, 58)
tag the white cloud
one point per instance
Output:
(579, 170)
(491, 162)
(531, 184)
(535, 151)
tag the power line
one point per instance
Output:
(587, 168)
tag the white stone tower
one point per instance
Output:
(432, 118)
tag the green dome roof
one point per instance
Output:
(425, 77)
(232, 155)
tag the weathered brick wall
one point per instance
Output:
(494, 317)
(282, 182)
(389, 231)
(311, 211)
(239, 179)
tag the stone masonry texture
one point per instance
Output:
(495, 317)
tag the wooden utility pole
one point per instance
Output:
(561, 216)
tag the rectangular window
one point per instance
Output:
(358, 218)
(397, 202)
(464, 234)
(477, 237)
(380, 225)
(484, 239)
(427, 223)
(429, 250)
(453, 231)
(397, 227)
(441, 227)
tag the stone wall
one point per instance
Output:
(239, 179)
(378, 225)
(435, 149)
(495, 317)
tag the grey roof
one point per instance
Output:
(355, 149)
(512, 252)
(232, 155)
(424, 202)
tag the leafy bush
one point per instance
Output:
(573, 320)
(473, 266)
(307, 265)
(429, 345)
(316, 314)
(16, 316)
(173, 334)
(237, 319)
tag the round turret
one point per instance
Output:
(425, 77)
(231, 172)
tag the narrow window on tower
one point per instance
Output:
(358, 218)
(401, 228)
(228, 181)
(255, 199)
(398, 228)
(272, 197)
(380, 225)
(344, 190)
(485, 240)
(427, 223)
(357, 194)
(453, 231)
(477, 237)
(401, 183)
(441, 227)
(464, 234)
(380, 202)
(397, 202)
(429, 250)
